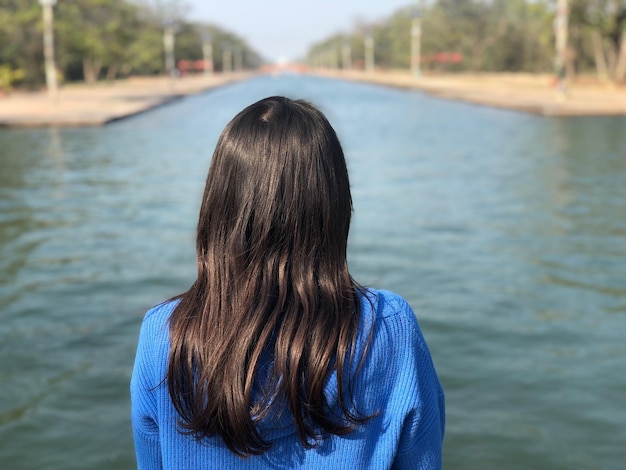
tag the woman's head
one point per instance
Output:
(273, 283)
(278, 182)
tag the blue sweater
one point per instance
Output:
(397, 380)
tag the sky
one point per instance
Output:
(283, 30)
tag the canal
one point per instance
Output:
(505, 231)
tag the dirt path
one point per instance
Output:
(84, 105)
(522, 92)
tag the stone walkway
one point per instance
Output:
(83, 105)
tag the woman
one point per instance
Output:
(275, 357)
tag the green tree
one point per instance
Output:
(188, 44)
(96, 34)
(491, 35)
(599, 31)
(392, 40)
(96, 38)
(21, 43)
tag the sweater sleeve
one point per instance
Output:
(143, 400)
(422, 452)
(421, 435)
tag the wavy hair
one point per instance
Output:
(273, 284)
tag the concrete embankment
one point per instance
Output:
(535, 94)
(83, 105)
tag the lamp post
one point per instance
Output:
(169, 29)
(334, 57)
(207, 54)
(227, 59)
(369, 52)
(560, 26)
(238, 59)
(48, 48)
(416, 41)
(346, 54)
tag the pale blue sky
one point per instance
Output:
(284, 29)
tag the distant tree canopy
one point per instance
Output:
(492, 36)
(105, 38)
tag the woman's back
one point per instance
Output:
(397, 381)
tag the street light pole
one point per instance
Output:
(346, 52)
(560, 26)
(238, 59)
(416, 42)
(168, 46)
(334, 58)
(48, 48)
(369, 52)
(227, 59)
(207, 54)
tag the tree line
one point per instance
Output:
(97, 39)
(490, 36)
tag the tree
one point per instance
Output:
(21, 43)
(489, 35)
(96, 34)
(602, 23)
(96, 38)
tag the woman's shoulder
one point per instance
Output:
(399, 364)
(162, 310)
(386, 304)
(392, 317)
(156, 320)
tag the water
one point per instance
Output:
(505, 231)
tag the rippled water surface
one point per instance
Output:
(505, 231)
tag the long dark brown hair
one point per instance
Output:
(273, 282)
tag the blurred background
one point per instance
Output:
(109, 39)
(505, 230)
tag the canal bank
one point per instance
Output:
(81, 105)
(529, 93)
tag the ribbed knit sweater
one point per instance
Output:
(397, 381)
